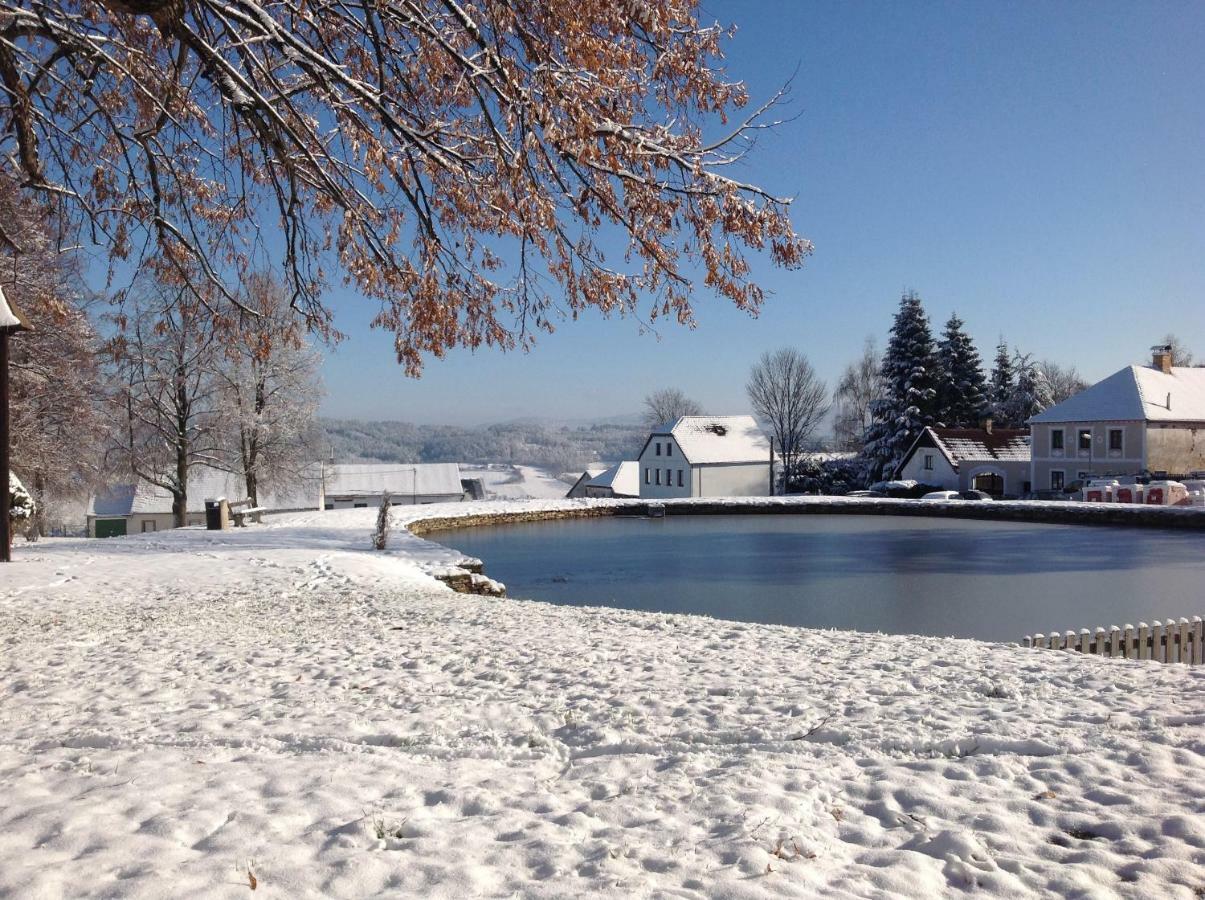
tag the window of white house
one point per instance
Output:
(669, 477)
(1056, 439)
(929, 462)
(679, 478)
(647, 475)
(669, 449)
(658, 476)
(658, 448)
(1085, 439)
(1056, 479)
(148, 526)
(1115, 439)
(1083, 476)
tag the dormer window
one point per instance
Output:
(669, 449)
(658, 445)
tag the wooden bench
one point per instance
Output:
(242, 512)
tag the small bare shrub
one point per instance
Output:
(380, 535)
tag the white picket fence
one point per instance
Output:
(1169, 642)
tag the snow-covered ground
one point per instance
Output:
(180, 709)
(504, 481)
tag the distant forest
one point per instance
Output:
(559, 448)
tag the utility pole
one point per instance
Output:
(11, 322)
(771, 465)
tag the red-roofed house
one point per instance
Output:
(994, 460)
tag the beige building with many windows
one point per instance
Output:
(1140, 419)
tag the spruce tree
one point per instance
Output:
(962, 394)
(1003, 383)
(910, 376)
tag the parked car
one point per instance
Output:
(942, 495)
(975, 495)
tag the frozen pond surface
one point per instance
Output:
(903, 575)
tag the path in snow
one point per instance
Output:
(176, 709)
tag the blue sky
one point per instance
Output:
(1040, 168)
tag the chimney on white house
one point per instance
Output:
(1161, 358)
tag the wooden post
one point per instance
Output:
(1144, 641)
(1127, 642)
(1085, 641)
(772, 466)
(1157, 641)
(1198, 636)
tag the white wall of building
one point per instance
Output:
(733, 480)
(335, 502)
(929, 465)
(662, 466)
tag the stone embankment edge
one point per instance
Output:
(470, 578)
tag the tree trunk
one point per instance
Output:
(180, 494)
(37, 528)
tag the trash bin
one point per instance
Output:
(217, 515)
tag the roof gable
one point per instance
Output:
(622, 478)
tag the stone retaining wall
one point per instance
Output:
(1018, 511)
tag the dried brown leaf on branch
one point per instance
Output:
(479, 167)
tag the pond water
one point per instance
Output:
(988, 580)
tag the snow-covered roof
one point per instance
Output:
(622, 478)
(1004, 444)
(719, 439)
(374, 479)
(204, 484)
(1136, 393)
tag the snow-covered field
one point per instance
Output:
(179, 710)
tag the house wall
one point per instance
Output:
(942, 474)
(334, 501)
(669, 459)
(1176, 448)
(1015, 475)
(139, 522)
(1072, 461)
(732, 480)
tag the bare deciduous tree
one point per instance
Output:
(1063, 382)
(168, 397)
(57, 425)
(1181, 355)
(668, 405)
(788, 397)
(856, 391)
(270, 387)
(455, 159)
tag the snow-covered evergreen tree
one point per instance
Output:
(962, 393)
(1003, 383)
(910, 376)
(1031, 394)
(21, 505)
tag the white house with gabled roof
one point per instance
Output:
(1139, 419)
(705, 456)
